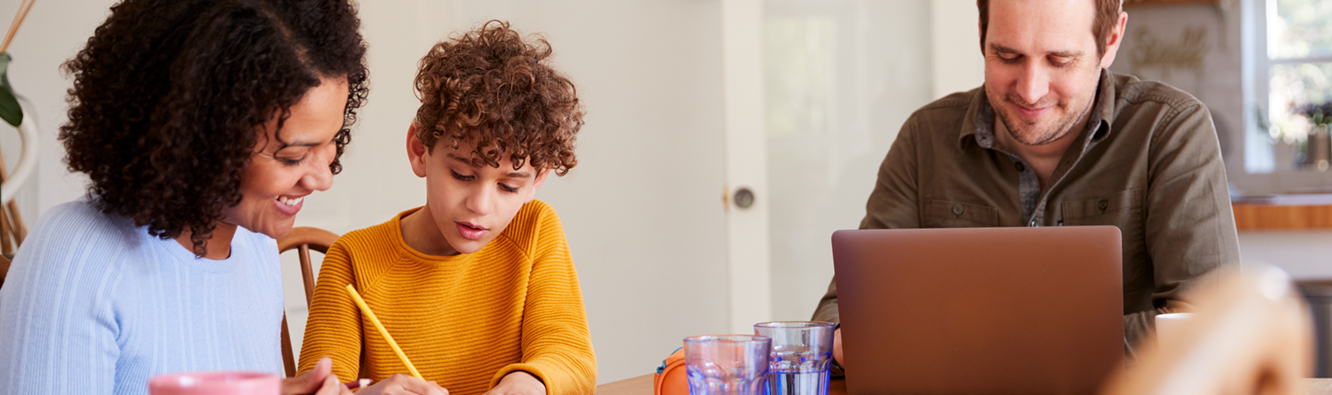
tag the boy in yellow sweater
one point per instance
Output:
(477, 287)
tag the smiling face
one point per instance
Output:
(469, 205)
(1042, 67)
(282, 172)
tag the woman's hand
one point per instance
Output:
(319, 381)
(518, 383)
(404, 384)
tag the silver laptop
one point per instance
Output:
(980, 310)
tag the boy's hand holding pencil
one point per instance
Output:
(398, 383)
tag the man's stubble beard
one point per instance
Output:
(1043, 137)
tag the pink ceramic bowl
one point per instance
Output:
(215, 383)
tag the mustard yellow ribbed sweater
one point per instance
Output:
(465, 320)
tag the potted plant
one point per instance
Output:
(1317, 150)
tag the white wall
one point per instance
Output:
(1305, 255)
(955, 34)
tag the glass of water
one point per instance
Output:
(727, 364)
(801, 356)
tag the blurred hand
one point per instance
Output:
(404, 384)
(320, 381)
(837, 347)
(518, 383)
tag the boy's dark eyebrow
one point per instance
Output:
(516, 174)
(1059, 54)
(460, 159)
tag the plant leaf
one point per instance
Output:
(9, 106)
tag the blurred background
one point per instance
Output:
(795, 101)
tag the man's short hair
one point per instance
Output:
(1107, 14)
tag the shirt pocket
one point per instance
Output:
(1125, 211)
(949, 214)
(1115, 209)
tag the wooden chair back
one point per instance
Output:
(12, 231)
(302, 239)
(4, 268)
(1250, 335)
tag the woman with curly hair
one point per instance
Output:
(201, 125)
(477, 286)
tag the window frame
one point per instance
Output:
(1258, 63)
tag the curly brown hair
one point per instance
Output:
(168, 94)
(491, 87)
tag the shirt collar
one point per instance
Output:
(979, 121)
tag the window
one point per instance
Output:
(1291, 70)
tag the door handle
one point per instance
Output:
(743, 197)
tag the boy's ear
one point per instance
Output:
(540, 179)
(416, 152)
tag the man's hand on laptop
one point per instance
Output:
(837, 347)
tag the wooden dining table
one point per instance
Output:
(642, 385)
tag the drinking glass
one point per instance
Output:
(801, 358)
(727, 364)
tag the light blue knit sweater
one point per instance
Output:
(94, 305)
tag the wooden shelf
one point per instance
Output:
(1262, 216)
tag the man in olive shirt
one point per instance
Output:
(1053, 139)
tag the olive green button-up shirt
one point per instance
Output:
(1148, 162)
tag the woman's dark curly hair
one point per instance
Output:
(168, 94)
(490, 87)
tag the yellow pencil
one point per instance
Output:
(361, 302)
